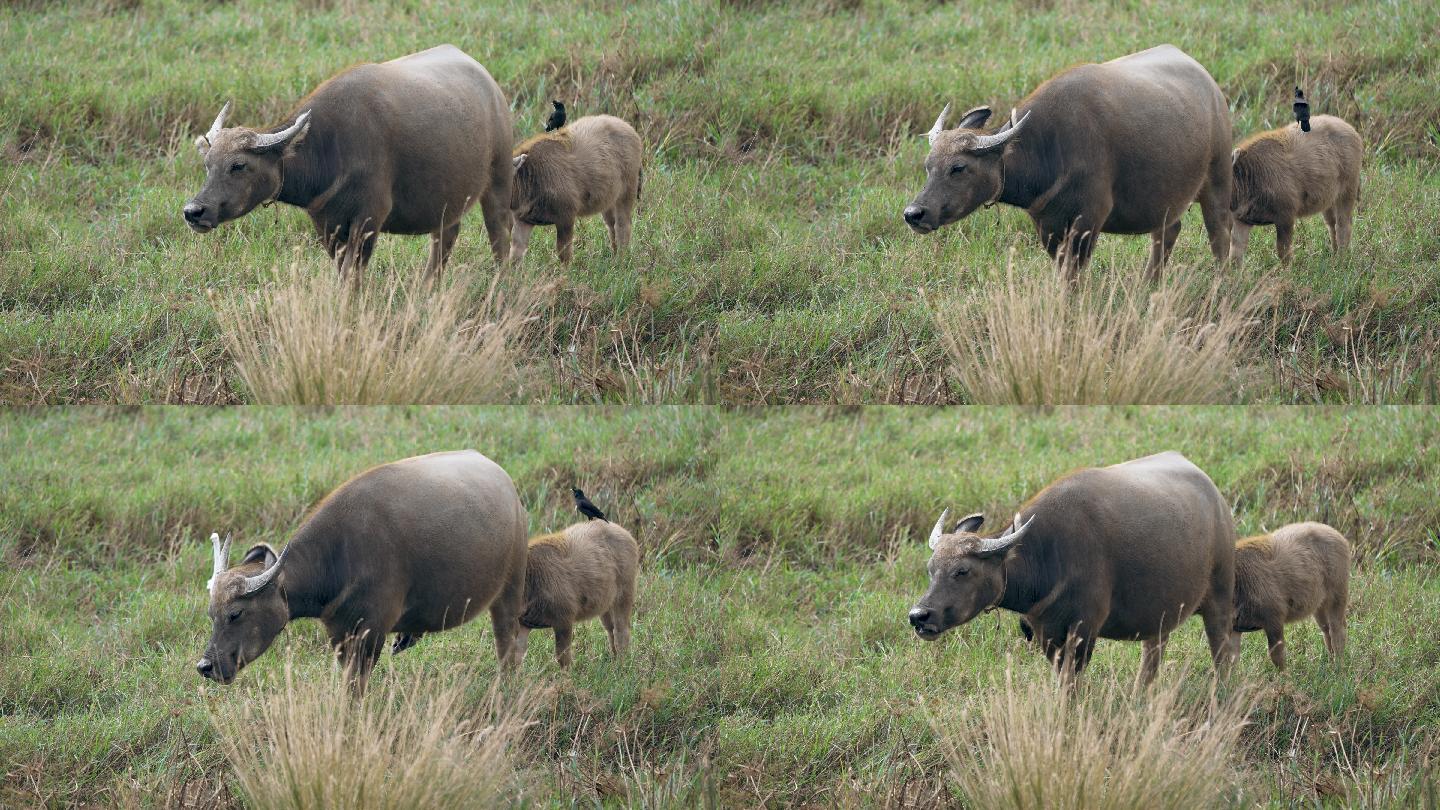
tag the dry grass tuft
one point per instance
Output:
(309, 743)
(1039, 340)
(1101, 745)
(308, 338)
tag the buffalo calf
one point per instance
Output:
(1300, 570)
(1285, 174)
(590, 167)
(587, 570)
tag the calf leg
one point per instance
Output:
(624, 218)
(520, 241)
(441, 243)
(609, 217)
(565, 240)
(1344, 219)
(1275, 637)
(1330, 225)
(564, 633)
(1331, 618)
(1239, 239)
(1284, 239)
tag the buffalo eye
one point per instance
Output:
(957, 168)
(236, 167)
(234, 614)
(962, 571)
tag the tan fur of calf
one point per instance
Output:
(590, 167)
(588, 570)
(1298, 571)
(1285, 174)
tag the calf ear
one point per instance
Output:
(974, 119)
(260, 552)
(520, 160)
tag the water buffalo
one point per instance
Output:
(1119, 147)
(588, 570)
(1297, 571)
(411, 547)
(1123, 552)
(1288, 173)
(590, 167)
(405, 146)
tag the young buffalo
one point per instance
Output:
(1300, 570)
(1285, 174)
(590, 167)
(588, 570)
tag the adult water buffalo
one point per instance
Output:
(405, 146)
(1119, 147)
(410, 547)
(1123, 552)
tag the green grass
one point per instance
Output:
(771, 660)
(770, 263)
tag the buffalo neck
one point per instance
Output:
(1027, 171)
(310, 580)
(1021, 585)
(306, 174)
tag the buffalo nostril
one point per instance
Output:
(919, 616)
(193, 211)
(205, 667)
(913, 214)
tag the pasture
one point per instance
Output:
(770, 262)
(771, 663)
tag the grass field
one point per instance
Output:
(772, 663)
(770, 262)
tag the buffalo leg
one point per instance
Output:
(354, 256)
(358, 651)
(1285, 239)
(1162, 242)
(404, 641)
(522, 642)
(441, 243)
(495, 208)
(1275, 637)
(564, 633)
(565, 240)
(519, 241)
(1153, 651)
(1239, 240)
(1219, 618)
(1215, 209)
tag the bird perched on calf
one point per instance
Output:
(585, 507)
(557, 117)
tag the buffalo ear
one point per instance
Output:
(260, 552)
(202, 145)
(970, 523)
(520, 160)
(974, 119)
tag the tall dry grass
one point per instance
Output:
(1101, 745)
(308, 743)
(308, 338)
(1038, 339)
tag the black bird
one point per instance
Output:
(557, 118)
(585, 507)
(1302, 110)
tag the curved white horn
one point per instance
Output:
(267, 141)
(939, 125)
(260, 580)
(984, 142)
(939, 524)
(219, 123)
(1010, 537)
(221, 550)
